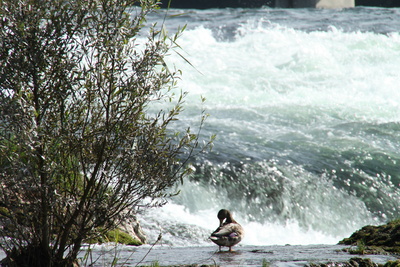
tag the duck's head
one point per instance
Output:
(225, 215)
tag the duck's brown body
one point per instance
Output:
(229, 232)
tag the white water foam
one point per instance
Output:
(168, 219)
(275, 66)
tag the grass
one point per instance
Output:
(265, 263)
(360, 248)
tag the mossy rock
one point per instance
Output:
(121, 237)
(386, 237)
(353, 262)
(116, 236)
(366, 250)
(392, 264)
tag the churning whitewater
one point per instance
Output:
(305, 104)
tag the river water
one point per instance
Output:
(305, 104)
(277, 256)
(306, 107)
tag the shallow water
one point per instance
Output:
(242, 255)
(120, 255)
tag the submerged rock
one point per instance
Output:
(384, 237)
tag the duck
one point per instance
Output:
(229, 232)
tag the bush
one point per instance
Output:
(78, 141)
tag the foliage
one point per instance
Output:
(80, 144)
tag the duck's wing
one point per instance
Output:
(231, 230)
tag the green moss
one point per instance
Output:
(4, 211)
(116, 236)
(376, 239)
(121, 237)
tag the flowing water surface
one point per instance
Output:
(306, 107)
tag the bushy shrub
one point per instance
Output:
(78, 141)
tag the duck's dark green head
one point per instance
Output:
(225, 214)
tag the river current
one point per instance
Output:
(306, 107)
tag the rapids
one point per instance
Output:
(305, 104)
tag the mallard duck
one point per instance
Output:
(229, 232)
